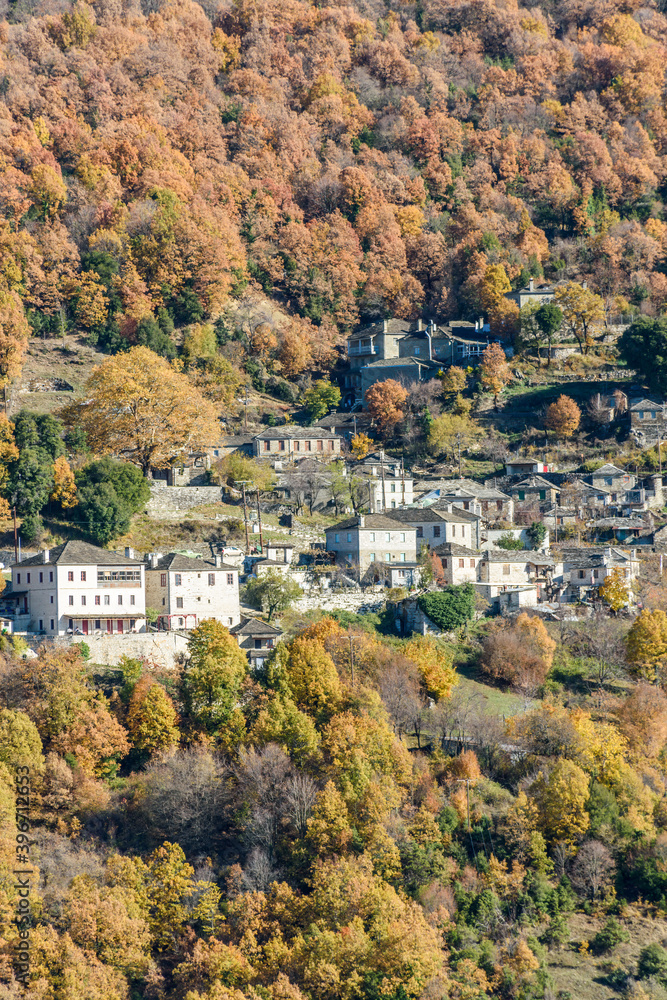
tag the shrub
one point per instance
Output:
(520, 654)
(510, 543)
(653, 962)
(609, 936)
(450, 608)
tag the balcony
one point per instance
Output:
(358, 351)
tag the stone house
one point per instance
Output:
(292, 442)
(185, 591)
(647, 422)
(77, 588)
(257, 639)
(621, 529)
(500, 569)
(372, 343)
(360, 542)
(458, 343)
(532, 490)
(460, 564)
(585, 569)
(407, 371)
(526, 467)
(389, 484)
(434, 527)
(611, 478)
(532, 293)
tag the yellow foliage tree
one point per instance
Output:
(64, 486)
(561, 798)
(151, 718)
(646, 645)
(141, 407)
(361, 444)
(614, 590)
(435, 664)
(312, 677)
(583, 312)
(494, 370)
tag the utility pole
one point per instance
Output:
(351, 657)
(16, 545)
(259, 519)
(242, 484)
(458, 438)
(246, 407)
(403, 480)
(384, 495)
(659, 449)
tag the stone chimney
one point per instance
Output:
(481, 323)
(420, 325)
(384, 326)
(584, 284)
(218, 560)
(154, 558)
(531, 285)
(362, 521)
(129, 553)
(45, 555)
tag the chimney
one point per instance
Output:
(481, 323)
(633, 553)
(584, 284)
(154, 559)
(129, 553)
(362, 521)
(531, 285)
(419, 325)
(45, 555)
(384, 326)
(430, 345)
(218, 560)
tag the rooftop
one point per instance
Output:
(75, 553)
(609, 470)
(292, 431)
(526, 556)
(646, 404)
(452, 549)
(178, 563)
(254, 626)
(427, 515)
(371, 522)
(401, 363)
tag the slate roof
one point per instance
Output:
(452, 549)
(646, 404)
(178, 563)
(425, 516)
(466, 486)
(291, 431)
(253, 626)
(631, 523)
(609, 470)
(525, 556)
(402, 363)
(382, 522)
(534, 482)
(394, 327)
(75, 553)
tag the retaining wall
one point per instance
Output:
(160, 648)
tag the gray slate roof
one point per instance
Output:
(178, 563)
(452, 549)
(382, 522)
(75, 553)
(253, 626)
(292, 431)
(525, 556)
(426, 516)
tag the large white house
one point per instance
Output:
(77, 587)
(184, 590)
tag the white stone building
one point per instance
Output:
(361, 541)
(78, 588)
(184, 591)
(435, 527)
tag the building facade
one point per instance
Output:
(292, 442)
(184, 591)
(77, 588)
(360, 542)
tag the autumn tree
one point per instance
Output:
(454, 381)
(583, 312)
(272, 592)
(140, 406)
(561, 797)
(563, 416)
(614, 590)
(360, 445)
(449, 432)
(64, 485)
(14, 332)
(520, 653)
(494, 370)
(646, 645)
(152, 718)
(236, 468)
(643, 721)
(385, 402)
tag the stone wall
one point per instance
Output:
(160, 648)
(171, 501)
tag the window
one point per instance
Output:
(83, 600)
(70, 575)
(652, 414)
(349, 536)
(444, 564)
(543, 494)
(229, 621)
(41, 578)
(18, 577)
(83, 574)
(211, 580)
(499, 505)
(506, 569)
(119, 575)
(393, 488)
(53, 624)
(372, 536)
(98, 623)
(281, 446)
(402, 536)
(472, 564)
(71, 599)
(372, 557)
(641, 414)
(132, 599)
(387, 536)
(330, 445)
(179, 602)
(51, 599)
(336, 538)
(420, 531)
(581, 574)
(41, 624)
(306, 445)
(453, 530)
(462, 563)
(387, 557)
(417, 350)
(97, 599)
(230, 579)
(297, 445)
(28, 577)
(608, 481)
(436, 531)
(120, 598)
(319, 446)
(70, 624)
(402, 556)
(267, 446)
(177, 579)
(522, 494)
(180, 623)
(163, 602)
(163, 579)
(596, 573)
(107, 599)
